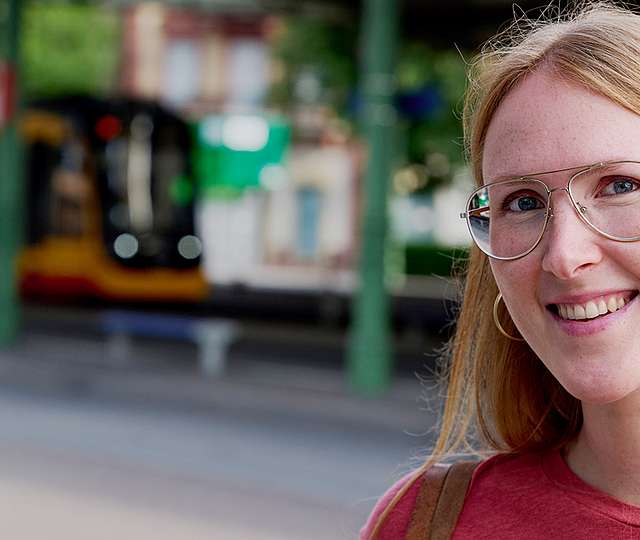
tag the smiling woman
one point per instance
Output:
(544, 378)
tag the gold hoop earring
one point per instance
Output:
(496, 320)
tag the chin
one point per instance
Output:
(595, 375)
(599, 392)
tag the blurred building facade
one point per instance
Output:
(194, 60)
(299, 211)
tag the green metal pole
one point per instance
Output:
(369, 362)
(10, 174)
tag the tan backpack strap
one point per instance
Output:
(451, 499)
(432, 482)
(440, 501)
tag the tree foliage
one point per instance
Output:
(68, 48)
(442, 73)
(324, 48)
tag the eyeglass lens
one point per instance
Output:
(506, 219)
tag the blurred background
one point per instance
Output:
(228, 235)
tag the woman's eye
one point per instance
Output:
(620, 186)
(523, 203)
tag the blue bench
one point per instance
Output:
(212, 336)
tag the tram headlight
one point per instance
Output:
(126, 246)
(190, 247)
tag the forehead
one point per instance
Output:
(547, 124)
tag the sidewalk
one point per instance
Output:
(153, 449)
(78, 365)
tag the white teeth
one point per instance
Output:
(602, 307)
(592, 309)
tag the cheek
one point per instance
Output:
(517, 282)
(627, 256)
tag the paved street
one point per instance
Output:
(266, 453)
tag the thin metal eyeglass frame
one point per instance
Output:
(549, 210)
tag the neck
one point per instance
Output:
(606, 453)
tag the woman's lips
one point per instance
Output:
(594, 307)
(588, 326)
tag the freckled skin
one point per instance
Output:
(545, 124)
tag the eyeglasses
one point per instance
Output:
(507, 219)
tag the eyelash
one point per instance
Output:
(610, 180)
(515, 196)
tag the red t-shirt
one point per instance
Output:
(532, 496)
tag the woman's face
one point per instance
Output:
(545, 124)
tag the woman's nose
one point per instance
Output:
(569, 245)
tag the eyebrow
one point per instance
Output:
(606, 164)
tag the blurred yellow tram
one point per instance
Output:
(109, 203)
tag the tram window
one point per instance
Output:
(59, 190)
(168, 191)
(70, 192)
(42, 159)
(69, 203)
(116, 159)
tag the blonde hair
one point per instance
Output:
(500, 397)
